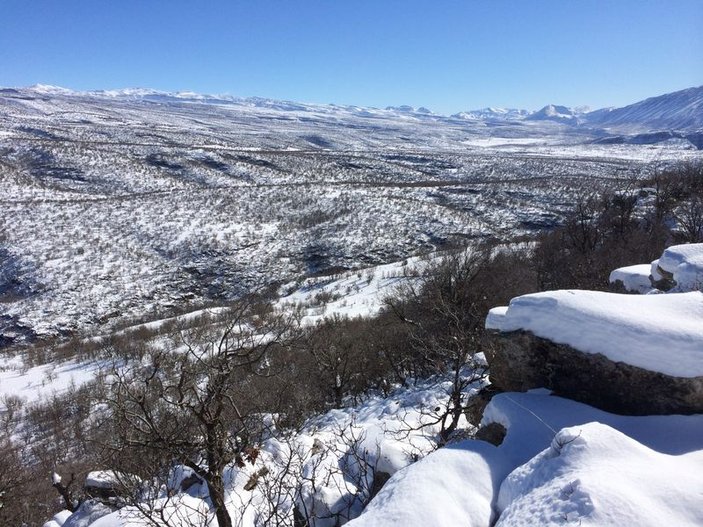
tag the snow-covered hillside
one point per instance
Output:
(681, 110)
(130, 203)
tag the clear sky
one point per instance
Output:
(446, 55)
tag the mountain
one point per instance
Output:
(681, 110)
(562, 114)
(409, 109)
(677, 111)
(497, 114)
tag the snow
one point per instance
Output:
(384, 432)
(593, 475)
(102, 479)
(634, 278)
(43, 381)
(452, 486)
(496, 317)
(88, 514)
(59, 519)
(685, 263)
(353, 293)
(131, 239)
(172, 210)
(179, 511)
(660, 333)
(462, 484)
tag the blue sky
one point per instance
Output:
(446, 55)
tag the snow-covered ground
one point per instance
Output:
(561, 462)
(121, 206)
(352, 293)
(43, 381)
(335, 458)
(127, 205)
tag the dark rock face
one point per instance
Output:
(477, 404)
(493, 433)
(617, 286)
(520, 361)
(666, 282)
(379, 479)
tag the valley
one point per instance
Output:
(119, 207)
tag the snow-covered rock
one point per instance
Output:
(629, 354)
(661, 333)
(633, 278)
(452, 486)
(59, 519)
(102, 479)
(684, 263)
(459, 485)
(89, 512)
(594, 475)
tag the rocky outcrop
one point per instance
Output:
(520, 361)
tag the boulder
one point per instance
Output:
(109, 485)
(681, 266)
(631, 279)
(520, 361)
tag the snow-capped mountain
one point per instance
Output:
(562, 114)
(681, 110)
(499, 114)
(677, 111)
(409, 109)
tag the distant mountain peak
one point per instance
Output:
(493, 113)
(50, 89)
(404, 108)
(554, 112)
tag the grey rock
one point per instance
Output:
(520, 361)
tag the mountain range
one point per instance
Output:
(680, 111)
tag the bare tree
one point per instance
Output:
(192, 404)
(689, 215)
(445, 313)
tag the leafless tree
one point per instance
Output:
(445, 313)
(689, 216)
(192, 404)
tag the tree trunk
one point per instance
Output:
(216, 489)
